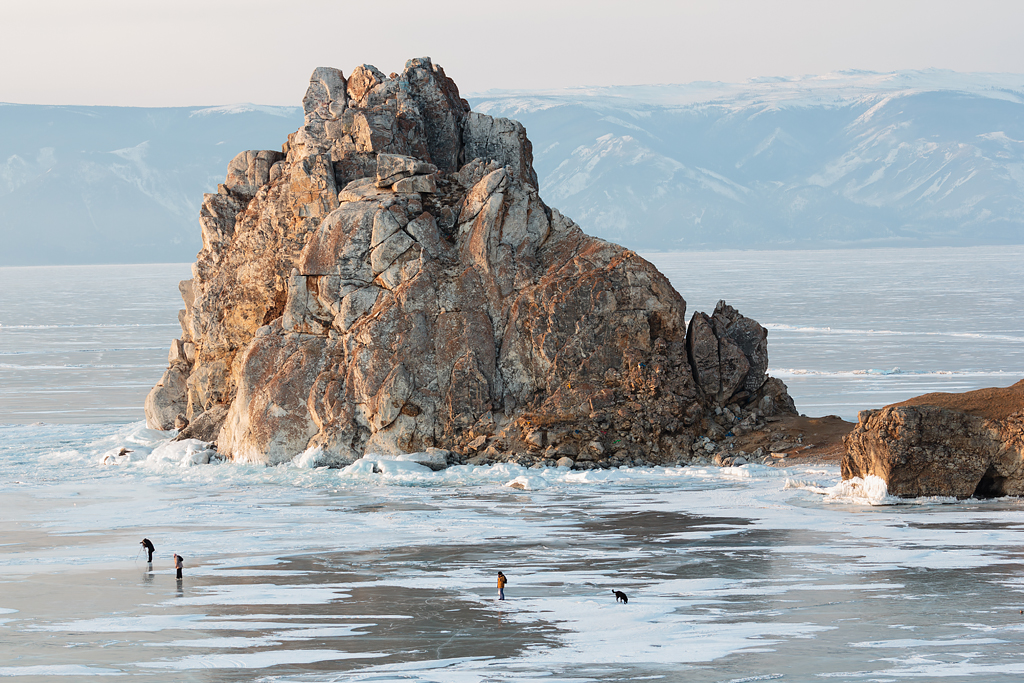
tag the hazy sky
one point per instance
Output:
(197, 52)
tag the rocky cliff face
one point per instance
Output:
(960, 445)
(391, 281)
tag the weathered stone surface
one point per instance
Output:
(394, 167)
(750, 338)
(702, 345)
(188, 293)
(168, 398)
(958, 445)
(419, 183)
(364, 78)
(177, 353)
(729, 354)
(268, 421)
(206, 426)
(502, 140)
(424, 230)
(361, 188)
(355, 305)
(385, 253)
(325, 97)
(435, 302)
(773, 398)
(217, 221)
(249, 171)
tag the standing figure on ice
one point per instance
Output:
(148, 545)
(501, 586)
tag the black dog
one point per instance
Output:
(620, 597)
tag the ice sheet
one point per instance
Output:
(754, 569)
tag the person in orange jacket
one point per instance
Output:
(501, 586)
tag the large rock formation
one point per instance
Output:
(391, 281)
(940, 444)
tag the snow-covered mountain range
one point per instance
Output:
(852, 158)
(119, 184)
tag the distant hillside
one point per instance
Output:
(118, 184)
(908, 158)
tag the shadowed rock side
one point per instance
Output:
(939, 444)
(392, 282)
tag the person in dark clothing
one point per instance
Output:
(148, 545)
(178, 564)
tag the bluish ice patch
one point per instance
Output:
(255, 660)
(58, 670)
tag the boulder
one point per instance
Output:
(939, 444)
(750, 340)
(249, 171)
(394, 167)
(361, 188)
(502, 140)
(206, 426)
(419, 183)
(434, 302)
(168, 399)
(177, 353)
(325, 98)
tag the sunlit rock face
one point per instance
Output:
(392, 282)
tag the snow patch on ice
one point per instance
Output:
(184, 453)
(58, 670)
(257, 660)
(917, 642)
(265, 594)
(870, 490)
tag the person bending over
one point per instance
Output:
(148, 545)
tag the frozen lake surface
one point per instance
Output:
(294, 574)
(299, 574)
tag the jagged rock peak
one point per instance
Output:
(391, 281)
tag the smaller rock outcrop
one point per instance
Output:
(729, 355)
(941, 444)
